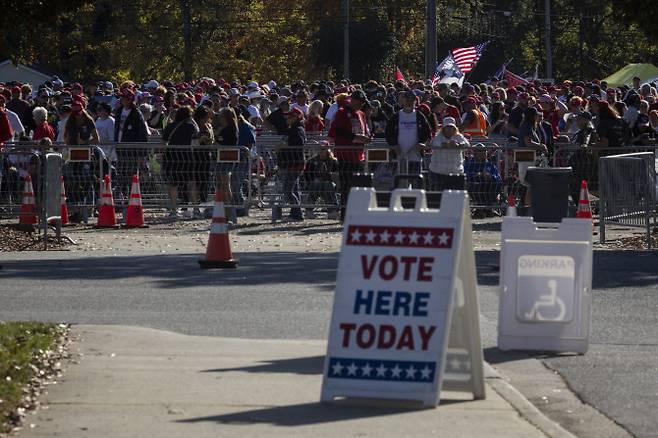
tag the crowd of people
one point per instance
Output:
(428, 126)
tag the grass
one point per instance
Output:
(22, 344)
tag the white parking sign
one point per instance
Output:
(396, 289)
(546, 279)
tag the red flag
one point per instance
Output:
(513, 80)
(398, 75)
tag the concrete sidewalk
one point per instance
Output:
(137, 382)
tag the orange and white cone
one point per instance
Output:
(64, 210)
(218, 252)
(511, 206)
(106, 216)
(28, 211)
(584, 209)
(135, 215)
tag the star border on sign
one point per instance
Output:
(337, 368)
(428, 238)
(356, 235)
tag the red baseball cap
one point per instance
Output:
(16, 90)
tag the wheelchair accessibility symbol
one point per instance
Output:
(550, 301)
(545, 289)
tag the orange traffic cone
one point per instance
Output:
(28, 211)
(511, 206)
(64, 210)
(218, 253)
(106, 217)
(135, 216)
(584, 209)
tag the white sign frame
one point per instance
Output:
(545, 286)
(350, 370)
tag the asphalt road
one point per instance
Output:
(289, 295)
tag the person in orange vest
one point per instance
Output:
(474, 122)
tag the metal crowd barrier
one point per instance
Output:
(584, 162)
(190, 173)
(15, 165)
(272, 174)
(491, 173)
(627, 185)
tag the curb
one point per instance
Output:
(526, 409)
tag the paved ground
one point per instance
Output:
(283, 290)
(142, 382)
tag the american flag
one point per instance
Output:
(467, 57)
(447, 68)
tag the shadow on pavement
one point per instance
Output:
(315, 413)
(302, 365)
(494, 356)
(612, 269)
(182, 270)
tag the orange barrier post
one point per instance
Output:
(218, 252)
(584, 209)
(28, 211)
(106, 216)
(135, 216)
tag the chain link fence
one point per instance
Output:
(272, 175)
(627, 185)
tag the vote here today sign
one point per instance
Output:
(392, 307)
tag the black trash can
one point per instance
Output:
(549, 192)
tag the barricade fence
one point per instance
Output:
(273, 175)
(628, 192)
(15, 166)
(584, 162)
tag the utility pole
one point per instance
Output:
(430, 39)
(549, 50)
(346, 40)
(187, 39)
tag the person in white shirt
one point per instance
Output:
(301, 102)
(447, 165)
(64, 113)
(408, 151)
(105, 127)
(15, 123)
(254, 113)
(333, 109)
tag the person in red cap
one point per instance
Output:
(80, 128)
(18, 105)
(291, 163)
(349, 128)
(129, 127)
(474, 122)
